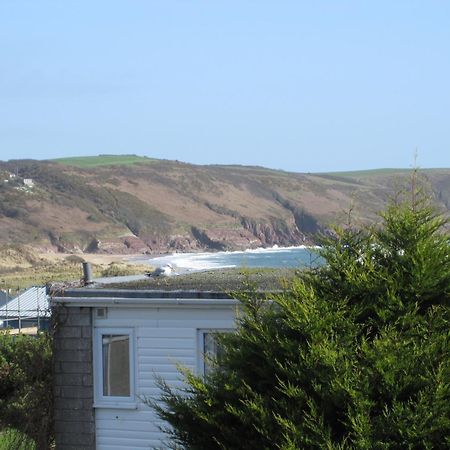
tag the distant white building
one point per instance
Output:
(28, 182)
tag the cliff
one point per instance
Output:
(142, 205)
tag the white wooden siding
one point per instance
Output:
(164, 337)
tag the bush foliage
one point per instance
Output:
(354, 354)
(26, 390)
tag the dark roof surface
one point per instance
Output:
(31, 303)
(217, 283)
(219, 280)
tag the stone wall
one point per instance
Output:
(73, 384)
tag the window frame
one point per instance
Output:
(201, 332)
(106, 401)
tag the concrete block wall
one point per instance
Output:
(73, 384)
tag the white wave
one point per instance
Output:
(219, 260)
(276, 249)
(201, 263)
(192, 261)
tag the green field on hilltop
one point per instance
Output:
(104, 160)
(368, 173)
(374, 172)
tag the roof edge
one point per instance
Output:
(92, 302)
(136, 293)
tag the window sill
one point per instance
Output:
(115, 405)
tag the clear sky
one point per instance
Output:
(295, 85)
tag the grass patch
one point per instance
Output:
(11, 439)
(365, 173)
(121, 269)
(104, 160)
(20, 278)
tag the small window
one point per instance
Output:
(114, 366)
(210, 350)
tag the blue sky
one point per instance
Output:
(295, 85)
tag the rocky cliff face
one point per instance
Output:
(275, 232)
(251, 235)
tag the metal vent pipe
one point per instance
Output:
(87, 273)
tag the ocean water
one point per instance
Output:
(275, 257)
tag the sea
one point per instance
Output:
(274, 257)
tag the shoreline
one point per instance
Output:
(272, 257)
(256, 250)
(139, 258)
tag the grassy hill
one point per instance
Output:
(131, 204)
(104, 160)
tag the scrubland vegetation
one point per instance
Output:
(136, 205)
(22, 267)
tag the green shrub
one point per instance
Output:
(115, 270)
(74, 259)
(12, 439)
(26, 389)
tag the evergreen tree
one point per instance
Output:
(354, 354)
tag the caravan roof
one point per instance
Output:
(31, 303)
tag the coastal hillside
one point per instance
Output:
(129, 204)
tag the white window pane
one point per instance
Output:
(116, 365)
(211, 351)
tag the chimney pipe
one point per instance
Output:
(87, 273)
